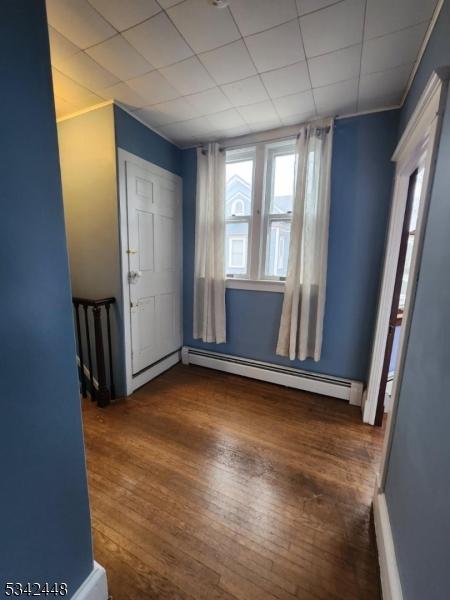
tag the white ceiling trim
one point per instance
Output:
(423, 47)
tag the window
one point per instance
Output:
(258, 210)
(239, 176)
(237, 252)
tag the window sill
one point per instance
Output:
(255, 285)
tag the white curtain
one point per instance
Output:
(300, 334)
(209, 273)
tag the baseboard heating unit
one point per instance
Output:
(344, 389)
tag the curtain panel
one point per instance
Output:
(301, 326)
(209, 269)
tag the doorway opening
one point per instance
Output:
(415, 159)
(398, 305)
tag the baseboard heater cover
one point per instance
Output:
(344, 389)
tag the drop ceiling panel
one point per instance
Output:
(296, 104)
(383, 89)
(286, 81)
(78, 21)
(229, 63)
(259, 113)
(307, 6)
(194, 129)
(124, 94)
(188, 76)
(246, 91)
(227, 119)
(257, 15)
(392, 50)
(71, 91)
(333, 28)
(337, 98)
(335, 66)
(168, 3)
(202, 25)
(63, 107)
(84, 70)
(120, 58)
(61, 48)
(158, 41)
(275, 61)
(170, 112)
(276, 47)
(386, 16)
(209, 102)
(123, 14)
(153, 87)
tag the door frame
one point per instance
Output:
(123, 156)
(421, 134)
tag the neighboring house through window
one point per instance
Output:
(258, 214)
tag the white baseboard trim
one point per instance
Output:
(327, 385)
(142, 378)
(94, 587)
(390, 579)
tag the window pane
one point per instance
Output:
(236, 248)
(238, 194)
(278, 248)
(283, 184)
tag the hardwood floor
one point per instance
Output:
(210, 486)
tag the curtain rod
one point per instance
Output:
(281, 137)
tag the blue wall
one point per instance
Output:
(44, 516)
(437, 54)
(361, 194)
(133, 136)
(418, 479)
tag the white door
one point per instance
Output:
(154, 261)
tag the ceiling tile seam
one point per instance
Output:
(361, 55)
(119, 80)
(316, 112)
(76, 82)
(376, 37)
(311, 12)
(257, 74)
(230, 8)
(164, 9)
(405, 64)
(102, 17)
(153, 68)
(334, 51)
(223, 45)
(268, 28)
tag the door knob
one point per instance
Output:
(134, 275)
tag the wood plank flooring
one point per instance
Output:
(209, 486)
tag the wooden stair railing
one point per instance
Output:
(104, 391)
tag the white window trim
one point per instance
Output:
(258, 222)
(252, 285)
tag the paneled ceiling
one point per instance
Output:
(195, 72)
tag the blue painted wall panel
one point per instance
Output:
(437, 54)
(418, 481)
(44, 517)
(361, 195)
(133, 136)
